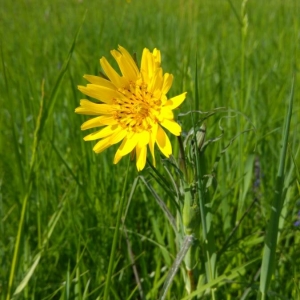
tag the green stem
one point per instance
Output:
(204, 206)
(116, 237)
(206, 221)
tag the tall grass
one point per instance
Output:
(59, 201)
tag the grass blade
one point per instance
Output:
(268, 260)
(221, 280)
(161, 204)
(50, 228)
(187, 243)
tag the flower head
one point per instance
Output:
(133, 108)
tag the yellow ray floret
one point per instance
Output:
(132, 107)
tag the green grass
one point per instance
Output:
(59, 201)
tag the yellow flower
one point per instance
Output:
(133, 107)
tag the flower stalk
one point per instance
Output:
(195, 212)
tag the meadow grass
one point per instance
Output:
(59, 201)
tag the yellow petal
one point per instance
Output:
(117, 157)
(145, 64)
(106, 131)
(98, 121)
(156, 82)
(166, 113)
(163, 142)
(102, 145)
(99, 81)
(141, 156)
(90, 108)
(118, 136)
(108, 141)
(163, 99)
(152, 141)
(175, 101)
(172, 126)
(157, 56)
(129, 58)
(150, 64)
(99, 92)
(168, 80)
(128, 145)
(94, 122)
(114, 77)
(126, 64)
(143, 138)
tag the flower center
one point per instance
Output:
(138, 109)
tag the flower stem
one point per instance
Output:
(116, 237)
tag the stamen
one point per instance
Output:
(137, 108)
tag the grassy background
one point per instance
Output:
(73, 194)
